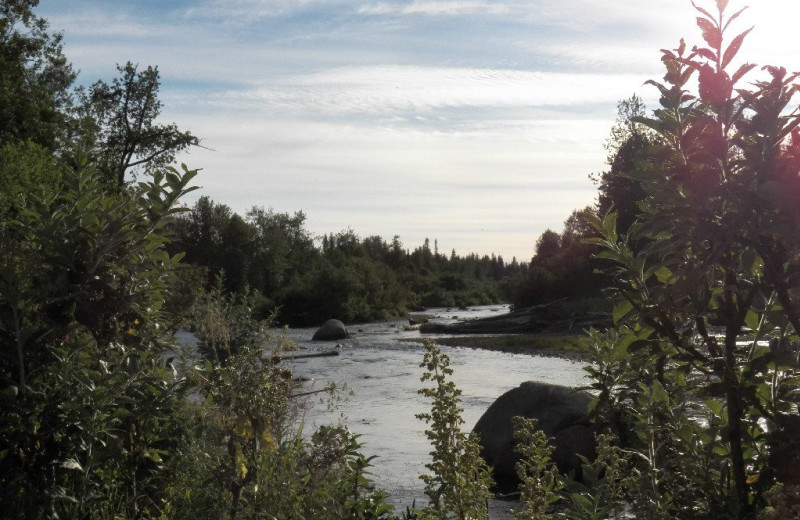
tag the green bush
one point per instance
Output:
(88, 418)
(703, 366)
(459, 484)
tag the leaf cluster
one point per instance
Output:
(539, 478)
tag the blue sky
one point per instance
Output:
(473, 122)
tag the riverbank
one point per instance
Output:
(571, 347)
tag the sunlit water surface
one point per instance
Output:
(381, 368)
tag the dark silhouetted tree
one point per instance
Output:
(629, 146)
(119, 122)
(548, 244)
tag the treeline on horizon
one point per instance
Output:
(310, 279)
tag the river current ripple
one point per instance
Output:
(381, 369)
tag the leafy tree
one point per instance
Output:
(708, 278)
(86, 257)
(578, 227)
(376, 248)
(34, 85)
(237, 262)
(119, 121)
(200, 234)
(630, 143)
(563, 267)
(548, 244)
(282, 246)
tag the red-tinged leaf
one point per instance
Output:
(664, 90)
(715, 87)
(710, 17)
(706, 53)
(721, 5)
(790, 128)
(711, 33)
(777, 73)
(686, 76)
(656, 84)
(732, 18)
(741, 71)
(673, 66)
(689, 62)
(681, 47)
(733, 48)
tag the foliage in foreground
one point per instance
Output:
(248, 455)
(459, 485)
(101, 416)
(538, 476)
(701, 374)
(89, 402)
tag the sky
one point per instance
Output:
(474, 123)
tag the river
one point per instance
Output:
(380, 366)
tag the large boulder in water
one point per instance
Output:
(331, 330)
(562, 413)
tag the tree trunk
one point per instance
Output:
(735, 414)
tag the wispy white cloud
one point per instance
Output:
(391, 89)
(436, 8)
(246, 11)
(100, 24)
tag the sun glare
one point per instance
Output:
(773, 40)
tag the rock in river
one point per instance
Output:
(562, 413)
(331, 330)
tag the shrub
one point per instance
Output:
(459, 484)
(706, 279)
(248, 453)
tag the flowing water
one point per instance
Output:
(380, 365)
